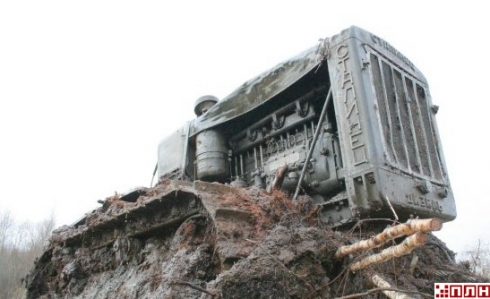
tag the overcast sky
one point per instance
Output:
(89, 88)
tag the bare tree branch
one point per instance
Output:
(376, 290)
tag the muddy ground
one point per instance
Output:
(243, 243)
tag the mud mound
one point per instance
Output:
(213, 241)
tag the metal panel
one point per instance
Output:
(172, 153)
(406, 120)
(259, 90)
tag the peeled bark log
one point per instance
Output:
(404, 229)
(406, 247)
(381, 283)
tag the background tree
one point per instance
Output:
(20, 245)
(477, 258)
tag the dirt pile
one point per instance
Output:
(201, 240)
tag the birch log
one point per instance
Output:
(404, 229)
(406, 247)
(380, 282)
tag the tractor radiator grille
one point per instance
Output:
(405, 118)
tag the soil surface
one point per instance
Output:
(224, 242)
